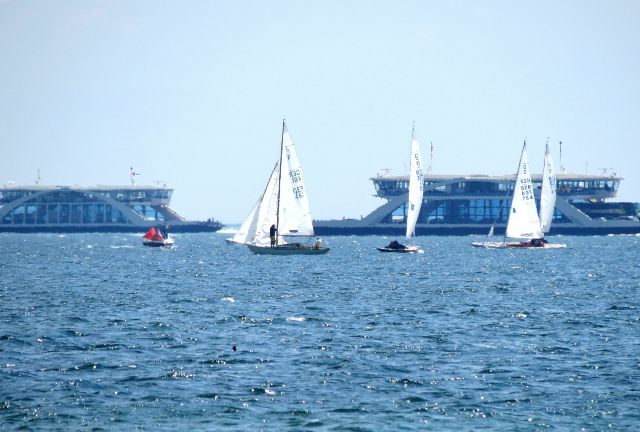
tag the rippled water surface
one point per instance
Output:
(97, 331)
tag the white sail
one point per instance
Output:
(416, 187)
(294, 214)
(548, 193)
(523, 217)
(267, 210)
(255, 229)
(244, 235)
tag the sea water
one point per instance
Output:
(99, 332)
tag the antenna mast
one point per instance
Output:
(133, 175)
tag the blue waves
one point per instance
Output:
(207, 336)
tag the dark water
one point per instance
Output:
(98, 332)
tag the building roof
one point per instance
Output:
(498, 178)
(100, 188)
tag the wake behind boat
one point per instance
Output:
(414, 201)
(283, 209)
(524, 222)
(526, 245)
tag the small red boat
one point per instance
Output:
(154, 237)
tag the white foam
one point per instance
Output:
(227, 230)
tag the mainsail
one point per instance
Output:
(294, 216)
(416, 186)
(548, 193)
(523, 217)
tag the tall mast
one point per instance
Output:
(406, 217)
(546, 151)
(279, 181)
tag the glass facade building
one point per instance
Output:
(471, 204)
(100, 208)
(481, 200)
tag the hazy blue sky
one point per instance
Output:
(193, 93)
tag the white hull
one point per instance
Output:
(288, 249)
(157, 243)
(521, 245)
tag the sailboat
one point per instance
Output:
(524, 222)
(284, 208)
(414, 201)
(155, 237)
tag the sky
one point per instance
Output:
(193, 94)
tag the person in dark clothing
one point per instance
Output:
(538, 242)
(273, 233)
(396, 245)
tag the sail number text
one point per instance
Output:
(298, 191)
(296, 176)
(526, 189)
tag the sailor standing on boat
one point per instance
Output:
(273, 233)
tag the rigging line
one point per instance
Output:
(502, 201)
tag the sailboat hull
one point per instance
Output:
(408, 249)
(521, 245)
(158, 243)
(287, 249)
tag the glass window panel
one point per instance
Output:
(18, 215)
(30, 217)
(41, 217)
(64, 214)
(98, 213)
(76, 214)
(52, 213)
(87, 213)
